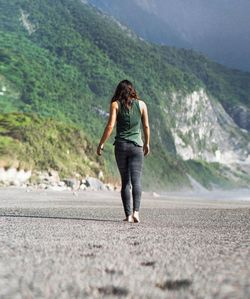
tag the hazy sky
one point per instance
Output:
(198, 17)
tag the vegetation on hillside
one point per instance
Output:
(30, 142)
(229, 86)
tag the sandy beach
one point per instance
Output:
(61, 245)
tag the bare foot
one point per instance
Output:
(136, 217)
(129, 218)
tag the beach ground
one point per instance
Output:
(66, 245)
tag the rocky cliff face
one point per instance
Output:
(203, 130)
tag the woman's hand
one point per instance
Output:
(100, 149)
(146, 149)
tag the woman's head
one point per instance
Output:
(124, 91)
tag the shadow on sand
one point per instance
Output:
(58, 217)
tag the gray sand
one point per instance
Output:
(57, 245)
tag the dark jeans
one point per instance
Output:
(129, 159)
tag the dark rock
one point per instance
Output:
(148, 264)
(94, 184)
(72, 183)
(112, 290)
(241, 116)
(174, 284)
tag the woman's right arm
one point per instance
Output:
(109, 127)
(146, 129)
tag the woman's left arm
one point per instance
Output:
(109, 127)
(146, 129)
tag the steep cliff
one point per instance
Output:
(203, 130)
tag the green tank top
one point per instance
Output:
(128, 126)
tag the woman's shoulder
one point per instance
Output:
(114, 104)
(142, 104)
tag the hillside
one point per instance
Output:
(219, 29)
(63, 59)
(30, 142)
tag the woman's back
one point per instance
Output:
(128, 127)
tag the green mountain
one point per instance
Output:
(62, 59)
(206, 26)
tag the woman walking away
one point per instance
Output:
(127, 112)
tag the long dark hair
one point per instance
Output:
(124, 92)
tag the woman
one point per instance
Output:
(127, 112)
